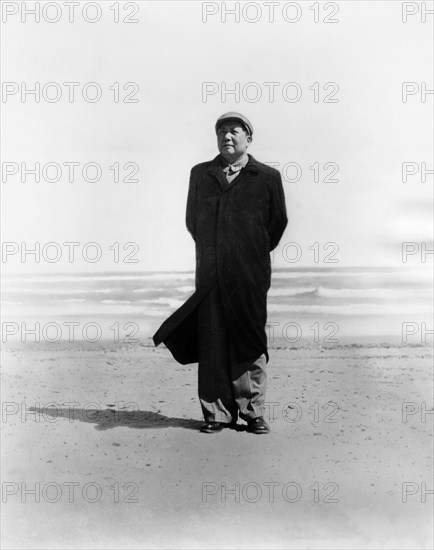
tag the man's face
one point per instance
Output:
(232, 140)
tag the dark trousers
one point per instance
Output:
(226, 387)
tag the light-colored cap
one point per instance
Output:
(235, 116)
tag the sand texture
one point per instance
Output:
(107, 438)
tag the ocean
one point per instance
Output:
(320, 305)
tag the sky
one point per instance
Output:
(170, 54)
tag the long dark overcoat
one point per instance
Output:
(234, 227)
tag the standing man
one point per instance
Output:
(236, 215)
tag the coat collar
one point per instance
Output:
(215, 166)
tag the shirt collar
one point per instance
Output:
(215, 165)
(240, 162)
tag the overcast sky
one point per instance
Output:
(170, 53)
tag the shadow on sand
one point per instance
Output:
(113, 418)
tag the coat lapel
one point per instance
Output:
(215, 169)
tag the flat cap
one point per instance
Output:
(235, 116)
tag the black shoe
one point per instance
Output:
(258, 426)
(211, 427)
(233, 425)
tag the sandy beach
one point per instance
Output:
(101, 449)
